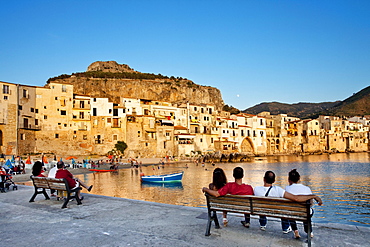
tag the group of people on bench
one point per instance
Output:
(60, 172)
(294, 191)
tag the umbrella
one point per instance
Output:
(13, 160)
(45, 160)
(71, 157)
(8, 164)
(28, 161)
(73, 161)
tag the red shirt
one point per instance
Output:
(62, 173)
(236, 189)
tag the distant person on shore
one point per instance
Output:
(38, 169)
(218, 181)
(72, 181)
(234, 188)
(275, 191)
(298, 189)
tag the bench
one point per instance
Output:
(256, 205)
(59, 184)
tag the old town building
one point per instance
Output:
(52, 119)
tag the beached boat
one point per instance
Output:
(101, 170)
(164, 178)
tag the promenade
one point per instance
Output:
(108, 221)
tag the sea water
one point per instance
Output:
(341, 180)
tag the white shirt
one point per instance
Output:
(275, 191)
(298, 189)
(52, 172)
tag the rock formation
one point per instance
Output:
(158, 88)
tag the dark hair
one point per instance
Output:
(238, 173)
(36, 168)
(294, 176)
(60, 164)
(269, 177)
(219, 178)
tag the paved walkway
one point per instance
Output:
(107, 221)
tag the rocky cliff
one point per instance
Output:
(112, 80)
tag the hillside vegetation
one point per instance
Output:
(356, 105)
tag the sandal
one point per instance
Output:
(225, 222)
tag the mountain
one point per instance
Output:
(356, 105)
(301, 110)
(111, 80)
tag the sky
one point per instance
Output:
(252, 51)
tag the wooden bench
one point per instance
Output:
(256, 205)
(59, 184)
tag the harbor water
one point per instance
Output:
(342, 181)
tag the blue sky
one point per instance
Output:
(253, 51)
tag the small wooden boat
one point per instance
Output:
(101, 170)
(173, 177)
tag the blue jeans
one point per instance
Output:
(284, 223)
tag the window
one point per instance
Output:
(201, 140)
(6, 89)
(5, 97)
(109, 120)
(82, 115)
(36, 110)
(82, 104)
(138, 134)
(261, 133)
(64, 88)
(84, 137)
(45, 117)
(115, 137)
(56, 98)
(19, 107)
(63, 112)
(23, 137)
(32, 109)
(36, 122)
(56, 135)
(45, 107)
(212, 140)
(25, 93)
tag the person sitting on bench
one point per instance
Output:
(72, 181)
(275, 191)
(234, 188)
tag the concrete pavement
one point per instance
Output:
(108, 221)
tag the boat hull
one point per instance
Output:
(167, 178)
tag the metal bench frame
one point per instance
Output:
(60, 184)
(256, 205)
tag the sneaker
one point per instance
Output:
(263, 228)
(245, 224)
(296, 234)
(287, 230)
(89, 189)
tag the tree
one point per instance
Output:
(120, 146)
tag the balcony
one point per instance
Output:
(31, 127)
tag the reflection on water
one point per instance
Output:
(342, 180)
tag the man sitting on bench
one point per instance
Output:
(72, 181)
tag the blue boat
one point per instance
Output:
(165, 178)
